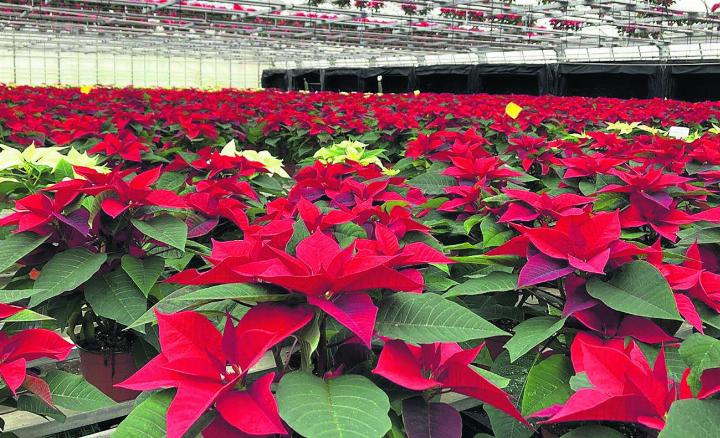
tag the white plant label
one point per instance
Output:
(679, 132)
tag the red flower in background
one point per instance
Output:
(482, 170)
(441, 365)
(652, 182)
(126, 146)
(531, 206)
(532, 150)
(589, 165)
(122, 195)
(647, 210)
(586, 242)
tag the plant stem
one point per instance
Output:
(322, 347)
(278, 360)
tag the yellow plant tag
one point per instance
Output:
(513, 110)
(86, 89)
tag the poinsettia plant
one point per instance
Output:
(548, 270)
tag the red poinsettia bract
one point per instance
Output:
(441, 365)
(624, 386)
(36, 212)
(337, 280)
(209, 369)
(18, 349)
(585, 242)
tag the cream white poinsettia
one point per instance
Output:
(622, 127)
(11, 158)
(649, 129)
(273, 165)
(352, 150)
(349, 150)
(76, 158)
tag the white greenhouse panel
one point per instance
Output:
(69, 68)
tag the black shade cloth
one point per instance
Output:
(457, 79)
(342, 80)
(694, 83)
(313, 78)
(682, 82)
(610, 80)
(510, 84)
(394, 79)
(275, 79)
(515, 79)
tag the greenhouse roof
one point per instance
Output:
(296, 33)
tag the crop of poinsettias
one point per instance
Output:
(327, 265)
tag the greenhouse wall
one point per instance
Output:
(43, 67)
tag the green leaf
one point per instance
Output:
(593, 431)
(63, 170)
(608, 201)
(700, 352)
(32, 403)
(709, 316)
(493, 282)
(169, 304)
(309, 338)
(547, 384)
(637, 289)
(17, 246)
(179, 263)
(495, 379)
(437, 282)
(348, 232)
(269, 183)
(27, 315)
(702, 234)
(166, 229)
(586, 188)
(300, 232)
(506, 426)
(530, 333)
(580, 381)
(692, 418)
(470, 222)
(170, 181)
(71, 391)
(343, 407)
(233, 291)
(427, 318)
(115, 296)
(484, 259)
(66, 271)
(432, 183)
(147, 419)
(143, 272)
(10, 296)
(493, 234)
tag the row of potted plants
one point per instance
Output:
(558, 268)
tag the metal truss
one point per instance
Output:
(337, 32)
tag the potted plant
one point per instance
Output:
(103, 241)
(93, 268)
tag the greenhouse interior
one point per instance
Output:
(360, 218)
